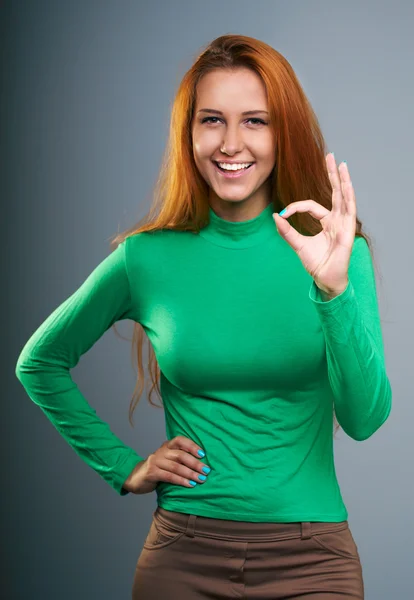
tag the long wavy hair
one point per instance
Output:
(180, 194)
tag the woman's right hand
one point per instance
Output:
(176, 461)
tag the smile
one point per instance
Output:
(232, 174)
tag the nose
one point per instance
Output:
(232, 141)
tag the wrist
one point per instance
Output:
(328, 294)
(127, 485)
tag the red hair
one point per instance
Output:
(180, 197)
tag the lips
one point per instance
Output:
(240, 162)
(230, 174)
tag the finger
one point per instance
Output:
(184, 458)
(182, 464)
(177, 474)
(348, 191)
(314, 208)
(338, 202)
(183, 443)
(289, 233)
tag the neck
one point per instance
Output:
(243, 233)
(236, 211)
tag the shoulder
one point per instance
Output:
(152, 240)
(148, 249)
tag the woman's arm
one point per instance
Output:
(44, 364)
(354, 348)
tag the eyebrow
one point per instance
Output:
(218, 112)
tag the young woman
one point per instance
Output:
(264, 331)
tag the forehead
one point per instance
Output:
(231, 90)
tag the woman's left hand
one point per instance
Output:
(326, 256)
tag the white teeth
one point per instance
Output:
(234, 167)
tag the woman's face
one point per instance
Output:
(234, 137)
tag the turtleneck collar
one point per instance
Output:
(240, 234)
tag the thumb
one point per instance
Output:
(280, 223)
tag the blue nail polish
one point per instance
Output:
(206, 470)
(192, 482)
(282, 212)
(202, 477)
(201, 453)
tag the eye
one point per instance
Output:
(208, 120)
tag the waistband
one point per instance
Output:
(226, 529)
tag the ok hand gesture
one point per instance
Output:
(326, 256)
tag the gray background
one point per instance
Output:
(86, 88)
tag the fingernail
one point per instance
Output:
(282, 212)
(192, 482)
(206, 470)
(201, 453)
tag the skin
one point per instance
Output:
(326, 255)
(237, 137)
(242, 137)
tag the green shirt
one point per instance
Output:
(252, 361)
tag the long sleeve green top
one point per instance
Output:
(253, 362)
